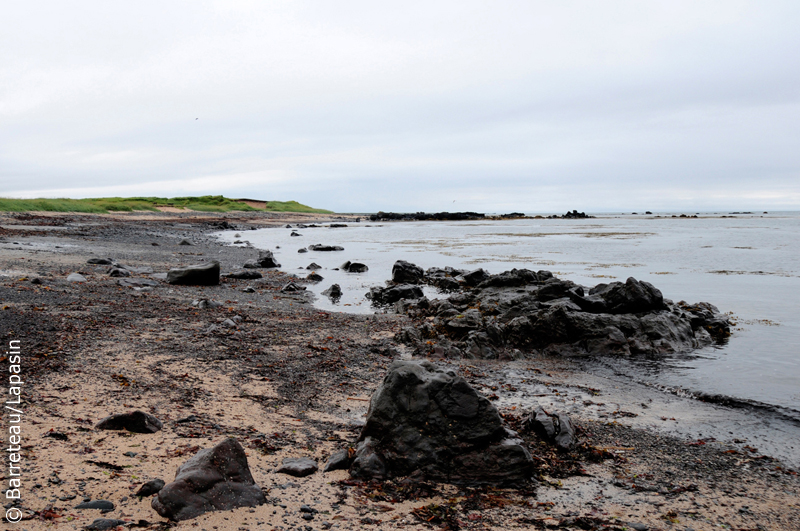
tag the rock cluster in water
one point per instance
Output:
(522, 312)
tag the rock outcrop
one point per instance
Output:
(533, 312)
(215, 479)
(425, 420)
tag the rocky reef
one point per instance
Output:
(520, 313)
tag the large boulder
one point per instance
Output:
(407, 273)
(195, 275)
(427, 420)
(215, 479)
(633, 296)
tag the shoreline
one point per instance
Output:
(292, 380)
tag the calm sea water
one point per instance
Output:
(747, 265)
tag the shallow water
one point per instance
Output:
(748, 265)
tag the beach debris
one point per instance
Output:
(321, 247)
(423, 419)
(196, 275)
(354, 267)
(215, 479)
(135, 421)
(406, 273)
(554, 428)
(105, 506)
(244, 274)
(392, 294)
(76, 277)
(297, 466)
(151, 487)
(333, 292)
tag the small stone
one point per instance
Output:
(102, 524)
(151, 487)
(76, 277)
(185, 242)
(136, 422)
(104, 505)
(298, 467)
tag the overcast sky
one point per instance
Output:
(362, 106)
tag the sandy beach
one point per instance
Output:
(289, 380)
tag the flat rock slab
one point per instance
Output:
(195, 275)
(215, 479)
(136, 422)
(137, 282)
(298, 466)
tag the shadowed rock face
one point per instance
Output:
(535, 312)
(425, 419)
(215, 479)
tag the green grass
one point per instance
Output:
(206, 203)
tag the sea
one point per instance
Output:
(746, 264)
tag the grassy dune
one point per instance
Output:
(206, 203)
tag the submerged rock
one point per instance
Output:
(427, 420)
(333, 292)
(321, 247)
(215, 479)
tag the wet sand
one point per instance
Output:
(290, 380)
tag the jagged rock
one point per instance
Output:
(333, 292)
(555, 429)
(406, 273)
(135, 421)
(215, 479)
(185, 242)
(267, 260)
(422, 419)
(320, 247)
(244, 274)
(151, 487)
(297, 466)
(631, 297)
(291, 286)
(393, 294)
(196, 275)
(313, 266)
(475, 277)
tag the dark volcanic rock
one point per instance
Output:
(267, 260)
(104, 505)
(297, 466)
(102, 524)
(555, 429)
(333, 292)
(196, 275)
(631, 297)
(315, 277)
(136, 422)
(406, 273)
(393, 294)
(215, 479)
(354, 267)
(320, 247)
(118, 272)
(428, 420)
(313, 266)
(151, 487)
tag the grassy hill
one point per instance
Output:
(206, 203)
